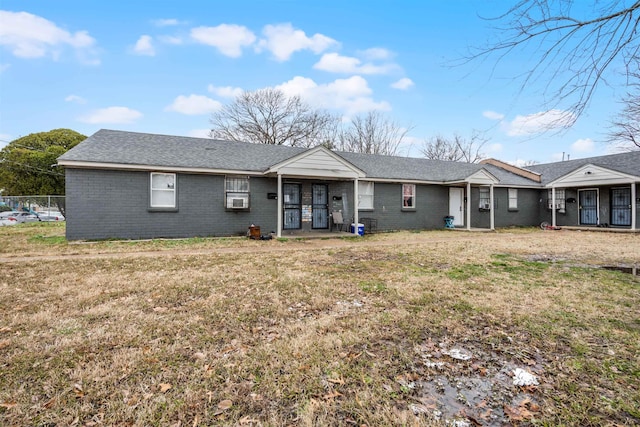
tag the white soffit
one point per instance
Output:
(317, 162)
(589, 175)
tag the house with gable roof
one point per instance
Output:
(136, 185)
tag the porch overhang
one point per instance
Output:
(318, 162)
(592, 176)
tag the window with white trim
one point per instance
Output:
(513, 198)
(365, 195)
(236, 192)
(485, 198)
(408, 196)
(163, 190)
(559, 203)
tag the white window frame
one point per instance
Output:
(513, 198)
(236, 187)
(365, 195)
(167, 186)
(484, 201)
(408, 197)
(559, 203)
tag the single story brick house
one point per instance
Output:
(136, 185)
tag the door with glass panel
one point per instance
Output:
(319, 206)
(292, 206)
(621, 206)
(588, 207)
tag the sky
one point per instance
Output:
(165, 66)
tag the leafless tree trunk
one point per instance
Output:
(268, 116)
(457, 149)
(573, 53)
(372, 133)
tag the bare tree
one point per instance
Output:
(456, 149)
(573, 53)
(372, 133)
(268, 116)
(625, 129)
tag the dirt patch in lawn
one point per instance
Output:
(434, 328)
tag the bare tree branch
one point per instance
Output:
(573, 54)
(372, 133)
(457, 149)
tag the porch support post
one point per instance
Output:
(634, 210)
(468, 206)
(355, 205)
(492, 216)
(279, 227)
(553, 206)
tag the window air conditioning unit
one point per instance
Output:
(485, 206)
(238, 203)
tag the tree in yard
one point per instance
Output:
(372, 133)
(27, 163)
(268, 116)
(625, 129)
(456, 149)
(576, 48)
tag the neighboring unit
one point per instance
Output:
(135, 185)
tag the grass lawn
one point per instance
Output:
(423, 328)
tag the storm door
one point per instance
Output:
(621, 206)
(320, 206)
(588, 207)
(292, 206)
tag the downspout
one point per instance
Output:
(634, 210)
(468, 206)
(553, 206)
(355, 205)
(279, 227)
(492, 216)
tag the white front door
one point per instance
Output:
(456, 205)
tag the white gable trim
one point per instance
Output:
(592, 175)
(482, 177)
(317, 162)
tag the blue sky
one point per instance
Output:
(164, 66)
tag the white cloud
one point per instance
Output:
(199, 133)
(144, 46)
(117, 115)
(492, 115)
(402, 84)
(194, 105)
(4, 67)
(225, 91)
(336, 63)
(228, 39)
(583, 145)
(376, 53)
(75, 98)
(283, 40)
(351, 96)
(30, 36)
(166, 22)
(539, 122)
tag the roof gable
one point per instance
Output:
(482, 177)
(317, 162)
(590, 174)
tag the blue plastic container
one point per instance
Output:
(360, 228)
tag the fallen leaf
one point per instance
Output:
(8, 405)
(77, 390)
(225, 404)
(5, 343)
(48, 404)
(247, 420)
(336, 381)
(332, 395)
(164, 387)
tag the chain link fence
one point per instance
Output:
(40, 204)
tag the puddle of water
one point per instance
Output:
(635, 271)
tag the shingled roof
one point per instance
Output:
(114, 147)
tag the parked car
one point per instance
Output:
(8, 221)
(8, 218)
(19, 216)
(51, 216)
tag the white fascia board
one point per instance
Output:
(591, 175)
(120, 166)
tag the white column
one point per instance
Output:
(634, 213)
(553, 206)
(468, 197)
(279, 227)
(492, 212)
(355, 205)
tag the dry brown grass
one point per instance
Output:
(319, 332)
